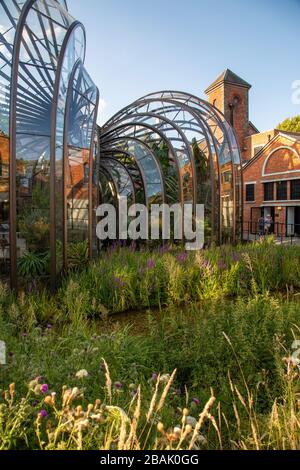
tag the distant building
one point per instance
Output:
(270, 159)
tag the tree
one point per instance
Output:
(290, 124)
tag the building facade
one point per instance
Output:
(270, 162)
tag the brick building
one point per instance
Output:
(271, 160)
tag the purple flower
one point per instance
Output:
(222, 265)
(141, 270)
(24, 334)
(49, 326)
(151, 263)
(43, 414)
(118, 385)
(154, 377)
(196, 401)
(164, 249)
(236, 257)
(119, 282)
(133, 247)
(181, 258)
(44, 388)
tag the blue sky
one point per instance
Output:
(135, 47)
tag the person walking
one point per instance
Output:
(268, 224)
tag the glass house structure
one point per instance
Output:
(47, 127)
(57, 165)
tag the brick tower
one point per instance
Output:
(230, 94)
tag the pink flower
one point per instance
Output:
(151, 264)
(196, 401)
(43, 414)
(44, 388)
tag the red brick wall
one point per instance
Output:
(221, 97)
(281, 162)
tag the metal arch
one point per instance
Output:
(149, 150)
(69, 33)
(12, 144)
(139, 168)
(201, 123)
(110, 179)
(78, 65)
(109, 170)
(174, 126)
(91, 183)
(221, 123)
(202, 112)
(68, 25)
(164, 138)
(20, 26)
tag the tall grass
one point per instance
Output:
(227, 316)
(68, 422)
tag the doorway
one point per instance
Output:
(293, 221)
(269, 211)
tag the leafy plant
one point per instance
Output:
(78, 254)
(33, 264)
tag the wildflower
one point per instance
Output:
(50, 400)
(236, 257)
(160, 428)
(181, 258)
(164, 249)
(81, 374)
(69, 395)
(44, 388)
(119, 282)
(222, 265)
(154, 377)
(24, 334)
(189, 428)
(151, 263)
(141, 270)
(49, 326)
(98, 418)
(164, 378)
(191, 421)
(37, 389)
(12, 390)
(118, 385)
(81, 424)
(133, 247)
(196, 401)
(43, 414)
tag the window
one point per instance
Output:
(295, 189)
(281, 191)
(268, 191)
(227, 177)
(250, 193)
